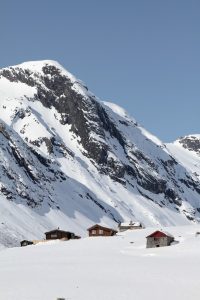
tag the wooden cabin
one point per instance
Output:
(25, 243)
(130, 226)
(60, 234)
(159, 239)
(98, 230)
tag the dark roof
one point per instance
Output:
(158, 234)
(101, 227)
(26, 241)
(57, 230)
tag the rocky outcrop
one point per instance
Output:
(191, 143)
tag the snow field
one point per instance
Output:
(104, 268)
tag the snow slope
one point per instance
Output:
(186, 151)
(69, 160)
(112, 268)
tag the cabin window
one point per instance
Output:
(53, 235)
(100, 231)
(94, 231)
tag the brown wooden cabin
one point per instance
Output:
(60, 234)
(26, 243)
(98, 230)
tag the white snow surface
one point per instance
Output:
(189, 159)
(118, 110)
(104, 268)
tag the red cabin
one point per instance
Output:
(159, 239)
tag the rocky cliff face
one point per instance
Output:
(74, 160)
(191, 143)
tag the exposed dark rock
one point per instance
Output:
(3, 131)
(46, 162)
(191, 143)
(172, 195)
(23, 163)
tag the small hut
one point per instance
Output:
(25, 243)
(129, 226)
(98, 230)
(159, 239)
(60, 234)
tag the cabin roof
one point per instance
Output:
(159, 234)
(26, 241)
(57, 230)
(131, 223)
(101, 227)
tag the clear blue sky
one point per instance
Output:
(141, 54)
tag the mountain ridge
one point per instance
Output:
(82, 161)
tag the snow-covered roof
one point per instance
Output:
(57, 230)
(130, 223)
(101, 227)
(167, 233)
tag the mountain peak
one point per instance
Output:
(38, 64)
(38, 67)
(44, 73)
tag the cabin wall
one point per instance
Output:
(158, 242)
(100, 232)
(57, 235)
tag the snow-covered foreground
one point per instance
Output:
(109, 268)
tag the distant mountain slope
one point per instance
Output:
(69, 160)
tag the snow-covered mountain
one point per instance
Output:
(68, 159)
